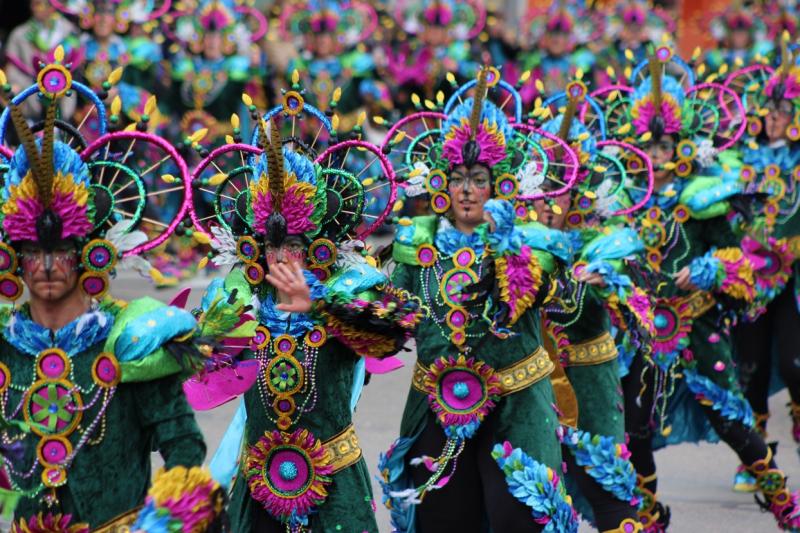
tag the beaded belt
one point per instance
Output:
(516, 377)
(343, 449)
(592, 352)
(699, 303)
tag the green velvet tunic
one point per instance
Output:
(349, 505)
(110, 474)
(513, 420)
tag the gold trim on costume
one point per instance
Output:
(699, 303)
(121, 523)
(516, 377)
(343, 449)
(592, 352)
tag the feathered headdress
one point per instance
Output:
(784, 84)
(464, 19)
(126, 12)
(350, 21)
(658, 101)
(240, 23)
(58, 186)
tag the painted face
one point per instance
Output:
(292, 252)
(469, 188)
(213, 45)
(41, 10)
(50, 276)
(661, 152)
(557, 43)
(740, 39)
(552, 212)
(778, 119)
(103, 24)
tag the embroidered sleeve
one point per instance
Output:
(624, 300)
(374, 323)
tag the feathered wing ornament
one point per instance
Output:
(224, 246)
(124, 241)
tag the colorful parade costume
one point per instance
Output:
(300, 467)
(741, 37)
(691, 381)
(102, 392)
(106, 42)
(331, 36)
(32, 42)
(578, 323)
(479, 389)
(765, 340)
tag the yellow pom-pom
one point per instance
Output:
(168, 178)
(367, 182)
(534, 216)
(579, 74)
(696, 53)
(335, 122)
(723, 69)
(399, 137)
(628, 72)
(58, 54)
(752, 145)
(669, 166)
(628, 54)
(624, 129)
(701, 69)
(229, 139)
(590, 195)
(539, 85)
(525, 76)
(380, 121)
(610, 72)
(361, 118)
(405, 221)
(600, 169)
(430, 105)
(130, 127)
(295, 76)
(235, 121)
(583, 136)
(669, 193)
(337, 94)
(556, 209)
(3, 78)
(248, 101)
(203, 262)
(398, 206)
(667, 431)
(440, 97)
(450, 78)
(415, 99)
(646, 136)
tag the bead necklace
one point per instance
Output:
(451, 282)
(284, 377)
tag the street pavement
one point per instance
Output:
(694, 480)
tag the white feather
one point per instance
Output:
(530, 181)
(706, 153)
(123, 240)
(134, 262)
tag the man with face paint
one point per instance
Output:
(700, 274)
(479, 414)
(292, 450)
(771, 155)
(91, 384)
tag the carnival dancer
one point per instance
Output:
(578, 323)
(701, 271)
(34, 41)
(96, 380)
(331, 36)
(106, 42)
(478, 445)
(213, 63)
(771, 157)
(556, 49)
(442, 31)
(296, 228)
(740, 35)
